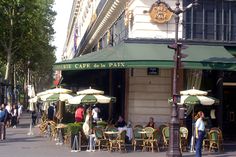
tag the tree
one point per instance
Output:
(26, 34)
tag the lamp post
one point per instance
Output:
(174, 141)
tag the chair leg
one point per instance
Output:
(158, 149)
(99, 145)
(152, 145)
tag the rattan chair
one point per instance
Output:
(100, 139)
(151, 141)
(137, 138)
(166, 136)
(215, 139)
(119, 142)
(183, 138)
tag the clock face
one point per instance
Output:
(159, 13)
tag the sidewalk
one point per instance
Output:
(19, 144)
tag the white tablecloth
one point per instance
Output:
(129, 132)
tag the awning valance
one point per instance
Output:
(142, 55)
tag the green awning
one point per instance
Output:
(231, 49)
(142, 55)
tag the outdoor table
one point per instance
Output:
(129, 132)
(111, 134)
(143, 134)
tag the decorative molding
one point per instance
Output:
(159, 13)
(111, 11)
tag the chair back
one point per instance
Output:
(138, 126)
(149, 131)
(155, 134)
(183, 132)
(166, 133)
(98, 133)
(214, 135)
(162, 126)
(136, 134)
(220, 132)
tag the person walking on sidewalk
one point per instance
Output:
(20, 109)
(33, 117)
(14, 116)
(199, 132)
(3, 120)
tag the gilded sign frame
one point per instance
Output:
(160, 13)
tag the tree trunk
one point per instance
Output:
(8, 64)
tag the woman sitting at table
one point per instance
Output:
(151, 123)
(120, 122)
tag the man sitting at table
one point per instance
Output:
(151, 123)
(120, 122)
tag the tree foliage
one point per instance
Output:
(26, 34)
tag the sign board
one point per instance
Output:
(160, 13)
(152, 71)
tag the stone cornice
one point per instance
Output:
(73, 16)
(111, 11)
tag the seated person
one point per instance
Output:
(120, 123)
(151, 123)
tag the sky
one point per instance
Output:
(63, 9)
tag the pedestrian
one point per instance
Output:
(33, 117)
(199, 133)
(20, 108)
(3, 120)
(51, 111)
(14, 113)
(9, 115)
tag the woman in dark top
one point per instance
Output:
(120, 123)
(151, 123)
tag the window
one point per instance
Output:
(119, 30)
(211, 20)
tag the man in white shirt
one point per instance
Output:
(20, 108)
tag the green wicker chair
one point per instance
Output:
(166, 136)
(100, 139)
(119, 142)
(137, 138)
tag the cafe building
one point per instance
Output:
(121, 47)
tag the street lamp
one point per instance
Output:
(174, 141)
